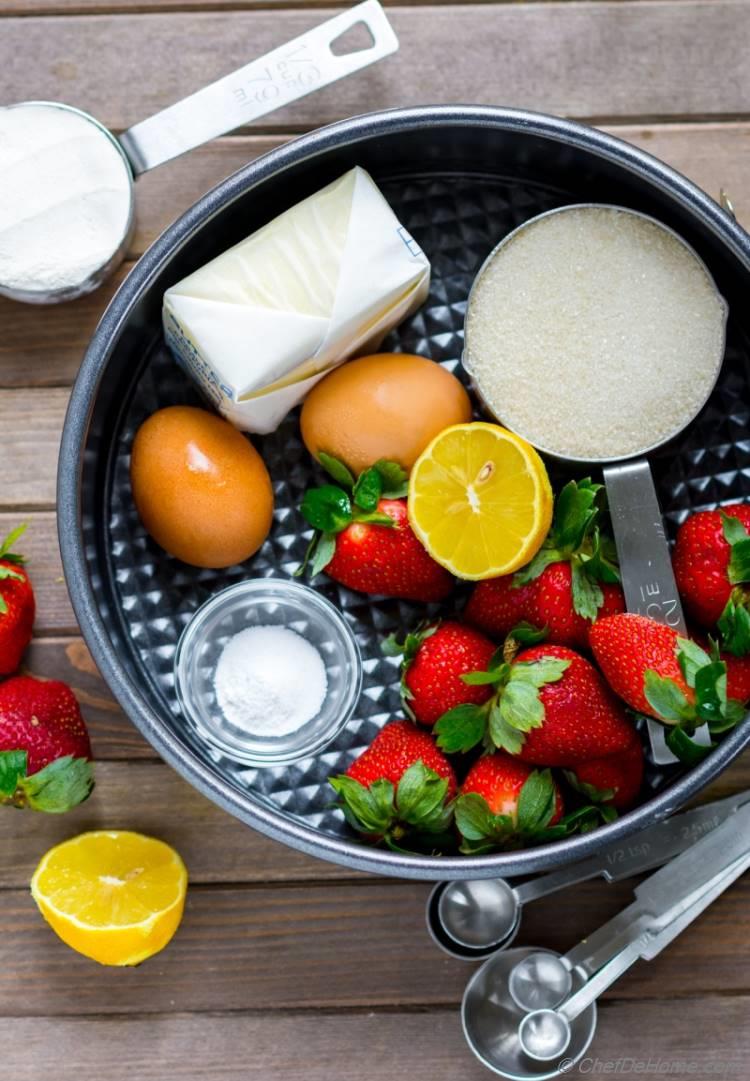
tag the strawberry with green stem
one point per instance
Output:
(17, 605)
(503, 803)
(362, 537)
(572, 581)
(549, 707)
(434, 658)
(44, 746)
(400, 789)
(659, 673)
(712, 567)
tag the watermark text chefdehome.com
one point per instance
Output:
(630, 1066)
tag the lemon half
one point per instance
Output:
(480, 500)
(114, 896)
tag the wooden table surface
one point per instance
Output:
(275, 974)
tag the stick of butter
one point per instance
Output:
(258, 326)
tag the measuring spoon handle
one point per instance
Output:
(276, 79)
(642, 852)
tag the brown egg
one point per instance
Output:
(388, 405)
(201, 489)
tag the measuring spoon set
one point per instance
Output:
(531, 1013)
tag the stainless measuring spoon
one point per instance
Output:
(645, 565)
(474, 917)
(519, 1028)
(282, 76)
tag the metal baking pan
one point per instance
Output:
(459, 178)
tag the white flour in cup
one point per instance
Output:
(65, 199)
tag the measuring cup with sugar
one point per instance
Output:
(67, 204)
(597, 334)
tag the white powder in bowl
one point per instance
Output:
(65, 198)
(594, 333)
(270, 681)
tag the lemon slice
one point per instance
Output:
(114, 896)
(480, 500)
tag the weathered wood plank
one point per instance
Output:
(420, 1046)
(68, 659)
(110, 7)
(610, 59)
(151, 798)
(54, 612)
(359, 945)
(30, 427)
(47, 351)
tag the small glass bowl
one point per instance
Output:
(267, 602)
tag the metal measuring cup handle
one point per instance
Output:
(280, 77)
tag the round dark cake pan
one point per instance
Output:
(459, 178)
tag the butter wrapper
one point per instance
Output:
(258, 326)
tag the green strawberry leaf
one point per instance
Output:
(526, 634)
(483, 679)
(711, 691)
(538, 673)
(6, 545)
(601, 563)
(12, 771)
(576, 510)
(536, 802)
(737, 537)
(324, 552)
(477, 823)
(369, 810)
(732, 713)
(420, 797)
(461, 728)
(521, 707)
(327, 508)
(684, 748)
(3, 605)
(734, 628)
(395, 479)
(368, 489)
(336, 469)
(60, 786)
(501, 733)
(587, 593)
(691, 658)
(590, 791)
(581, 820)
(540, 562)
(666, 698)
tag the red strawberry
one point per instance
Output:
(572, 580)
(661, 674)
(17, 605)
(401, 786)
(391, 561)
(503, 801)
(738, 668)
(615, 780)
(498, 604)
(363, 538)
(44, 746)
(435, 658)
(550, 707)
(582, 719)
(712, 564)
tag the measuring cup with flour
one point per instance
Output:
(597, 334)
(67, 206)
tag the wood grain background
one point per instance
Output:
(274, 973)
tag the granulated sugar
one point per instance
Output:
(594, 333)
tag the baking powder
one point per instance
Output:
(65, 198)
(270, 681)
